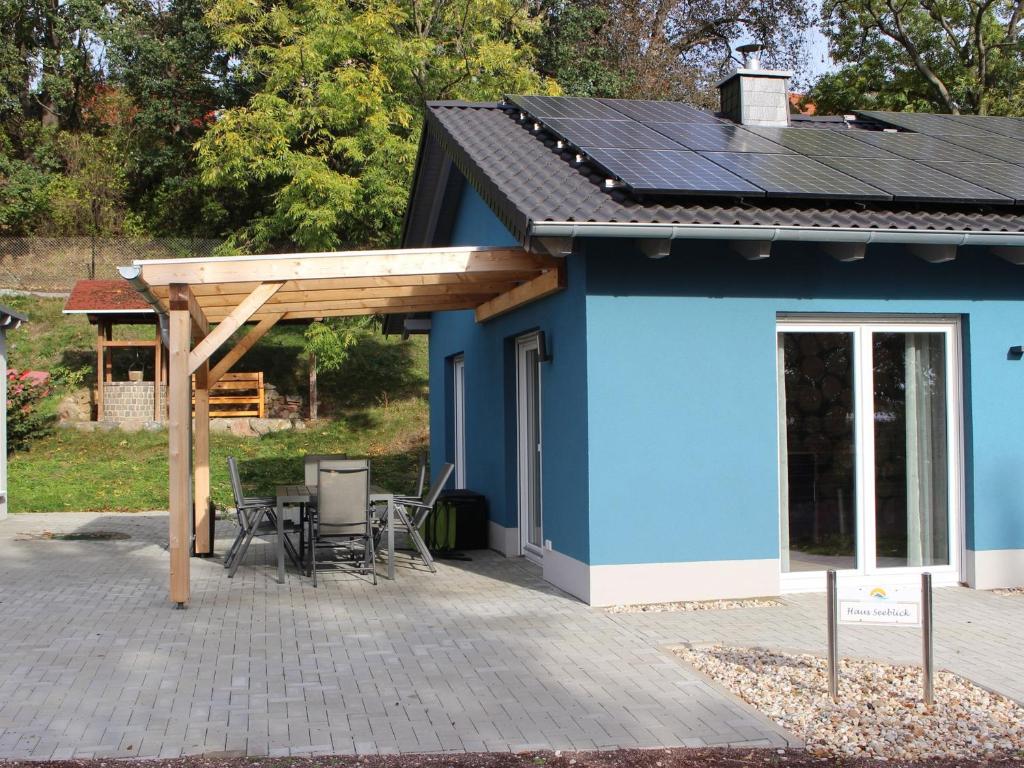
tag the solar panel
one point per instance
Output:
(624, 134)
(913, 181)
(795, 176)
(717, 138)
(916, 146)
(816, 141)
(996, 147)
(928, 124)
(1004, 126)
(1003, 178)
(660, 111)
(572, 107)
(670, 172)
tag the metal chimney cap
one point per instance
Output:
(750, 51)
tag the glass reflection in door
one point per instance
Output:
(911, 449)
(817, 450)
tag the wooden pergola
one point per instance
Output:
(206, 300)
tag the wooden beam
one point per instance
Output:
(130, 343)
(413, 308)
(550, 282)
(243, 289)
(371, 306)
(311, 266)
(235, 320)
(752, 250)
(244, 344)
(1010, 253)
(201, 455)
(108, 361)
(100, 338)
(179, 453)
(934, 254)
(220, 302)
(180, 297)
(846, 252)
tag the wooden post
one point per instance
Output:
(100, 337)
(314, 403)
(204, 546)
(108, 361)
(158, 374)
(179, 442)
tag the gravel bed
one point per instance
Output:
(1009, 591)
(880, 713)
(696, 605)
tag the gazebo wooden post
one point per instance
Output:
(158, 374)
(179, 403)
(204, 546)
(100, 368)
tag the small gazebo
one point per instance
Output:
(108, 303)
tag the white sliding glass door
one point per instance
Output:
(531, 530)
(869, 435)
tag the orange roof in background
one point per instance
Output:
(810, 108)
(105, 296)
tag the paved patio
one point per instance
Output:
(483, 655)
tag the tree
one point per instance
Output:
(938, 55)
(325, 146)
(666, 49)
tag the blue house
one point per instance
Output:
(784, 344)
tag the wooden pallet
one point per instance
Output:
(237, 394)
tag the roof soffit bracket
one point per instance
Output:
(845, 251)
(553, 246)
(934, 254)
(1012, 254)
(752, 250)
(656, 248)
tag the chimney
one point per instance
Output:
(755, 96)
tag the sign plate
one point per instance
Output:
(880, 605)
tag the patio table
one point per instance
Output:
(303, 494)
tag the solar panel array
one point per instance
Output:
(668, 148)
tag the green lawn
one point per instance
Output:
(375, 406)
(117, 471)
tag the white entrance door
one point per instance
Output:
(531, 534)
(869, 445)
(459, 419)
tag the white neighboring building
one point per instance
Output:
(9, 319)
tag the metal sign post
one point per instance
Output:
(833, 636)
(926, 635)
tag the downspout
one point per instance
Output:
(133, 275)
(771, 234)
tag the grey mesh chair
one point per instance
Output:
(310, 466)
(251, 511)
(342, 521)
(411, 513)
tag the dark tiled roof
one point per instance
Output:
(105, 296)
(526, 179)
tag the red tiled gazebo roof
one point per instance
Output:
(105, 297)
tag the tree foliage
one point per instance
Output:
(924, 55)
(665, 49)
(328, 139)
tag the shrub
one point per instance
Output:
(25, 422)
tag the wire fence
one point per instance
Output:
(53, 264)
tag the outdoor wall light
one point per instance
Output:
(543, 353)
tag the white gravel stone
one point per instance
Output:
(696, 605)
(879, 714)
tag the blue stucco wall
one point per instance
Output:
(681, 399)
(490, 393)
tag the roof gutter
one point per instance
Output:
(773, 234)
(133, 275)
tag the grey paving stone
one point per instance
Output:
(482, 656)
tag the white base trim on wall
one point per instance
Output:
(602, 585)
(502, 539)
(994, 568)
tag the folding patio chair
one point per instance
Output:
(342, 520)
(410, 513)
(250, 511)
